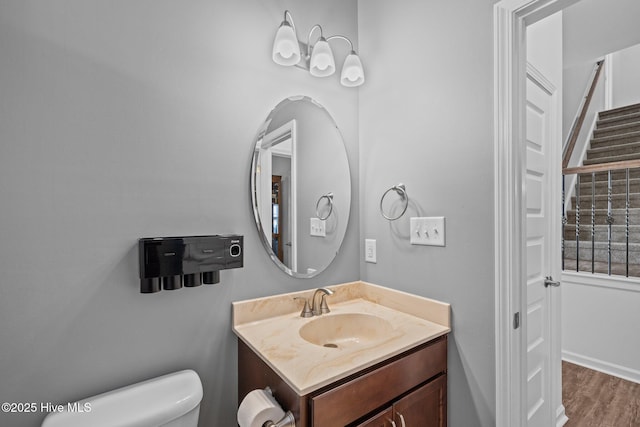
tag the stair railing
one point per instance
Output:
(609, 220)
(579, 121)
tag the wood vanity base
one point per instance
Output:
(412, 386)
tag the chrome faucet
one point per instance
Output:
(311, 308)
(323, 308)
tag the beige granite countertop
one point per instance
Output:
(270, 325)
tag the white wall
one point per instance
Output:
(591, 30)
(426, 120)
(626, 69)
(594, 28)
(577, 80)
(600, 323)
(544, 48)
(129, 119)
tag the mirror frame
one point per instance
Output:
(253, 188)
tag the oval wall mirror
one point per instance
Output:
(300, 186)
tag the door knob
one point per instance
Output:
(548, 281)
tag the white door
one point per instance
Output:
(541, 153)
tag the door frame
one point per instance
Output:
(283, 133)
(511, 18)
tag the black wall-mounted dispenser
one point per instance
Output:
(172, 262)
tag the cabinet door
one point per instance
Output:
(425, 407)
(382, 419)
(350, 401)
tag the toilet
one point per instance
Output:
(172, 400)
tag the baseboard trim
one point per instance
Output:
(602, 366)
(561, 416)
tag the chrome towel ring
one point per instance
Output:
(402, 192)
(329, 197)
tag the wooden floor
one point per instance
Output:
(594, 399)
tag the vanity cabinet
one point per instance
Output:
(381, 419)
(425, 406)
(410, 386)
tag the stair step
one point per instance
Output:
(601, 251)
(613, 150)
(631, 156)
(616, 130)
(616, 175)
(618, 120)
(618, 233)
(608, 141)
(618, 201)
(617, 268)
(618, 186)
(627, 109)
(618, 215)
(616, 138)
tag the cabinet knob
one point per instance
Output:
(393, 423)
(402, 424)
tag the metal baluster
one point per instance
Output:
(609, 221)
(564, 217)
(627, 219)
(593, 222)
(578, 222)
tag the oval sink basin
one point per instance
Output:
(340, 330)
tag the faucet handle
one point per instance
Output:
(324, 308)
(306, 311)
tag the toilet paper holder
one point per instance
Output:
(287, 421)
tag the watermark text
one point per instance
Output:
(46, 407)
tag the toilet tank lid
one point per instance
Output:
(153, 402)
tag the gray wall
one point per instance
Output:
(426, 120)
(321, 171)
(591, 30)
(626, 69)
(129, 119)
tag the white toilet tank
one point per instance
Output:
(171, 400)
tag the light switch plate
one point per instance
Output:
(318, 227)
(428, 231)
(370, 250)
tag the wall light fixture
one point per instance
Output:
(318, 57)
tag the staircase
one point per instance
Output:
(615, 139)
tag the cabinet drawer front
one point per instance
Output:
(350, 401)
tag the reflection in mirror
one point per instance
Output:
(300, 187)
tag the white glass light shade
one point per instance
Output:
(286, 50)
(352, 71)
(322, 62)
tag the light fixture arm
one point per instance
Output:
(293, 25)
(338, 36)
(309, 38)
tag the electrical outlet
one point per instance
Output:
(318, 227)
(370, 250)
(428, 231)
